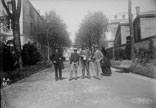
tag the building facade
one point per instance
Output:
(30, 22)
(121, 35)
(144, 32)
(145, 29)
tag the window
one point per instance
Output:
(31, 28)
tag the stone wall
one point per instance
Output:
(145, 43)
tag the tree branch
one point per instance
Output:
(6, 8)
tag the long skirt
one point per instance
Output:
(106, 70)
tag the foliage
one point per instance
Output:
(30, 54)
(91, 29)
(144, 68)
(14, 15)
(26, 71)
(54, 31)
(8, 57)
(145, 62)
(146, 55)
(110, 53)
(120, 54)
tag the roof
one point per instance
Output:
(149, 12)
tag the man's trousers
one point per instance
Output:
(97, 68)
(74, 68)
(58, 71)
(85, 66)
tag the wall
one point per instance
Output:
(124, 33)
(117, 41)
(31, 22)
(144, 44)
(148, 27)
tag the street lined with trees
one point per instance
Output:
(14, 57)
(92, 29)
(53, 32)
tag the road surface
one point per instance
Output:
(117, 91)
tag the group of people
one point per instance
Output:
(86, 55)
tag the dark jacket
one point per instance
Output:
(57, 58)
(105, 61)
(86, 53)
(74, 57)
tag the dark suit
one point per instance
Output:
(57, 60)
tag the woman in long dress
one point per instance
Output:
(105, 64)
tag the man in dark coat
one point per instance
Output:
(57, 60)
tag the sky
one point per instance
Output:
(73, 11)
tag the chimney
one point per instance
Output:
(137, 10)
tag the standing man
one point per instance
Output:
(57, 60)
(74, 60)
(85, 59)
(98, 56)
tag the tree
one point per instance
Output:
(53, 32)
(14, 15)
(91, 29)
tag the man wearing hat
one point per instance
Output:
(57, 60)
(98, 56)
(85, 59)
(74, 60)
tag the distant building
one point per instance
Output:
(121, 34)
(145, 29)
(115, 22)
(144, 32)
(119, 18)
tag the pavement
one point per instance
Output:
(121, 90)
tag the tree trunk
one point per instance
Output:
(17, 42)
(48, 51)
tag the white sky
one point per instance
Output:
(73, 11)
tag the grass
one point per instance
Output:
(24, 72)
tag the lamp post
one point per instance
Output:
(131, 29)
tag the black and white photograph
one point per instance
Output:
(78, 53)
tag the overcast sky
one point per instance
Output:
(73, 11)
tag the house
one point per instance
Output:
(116, 22)
(121, 35)
(145, 29)
(30, 23)
(144, 32)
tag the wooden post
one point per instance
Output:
(131, 29)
